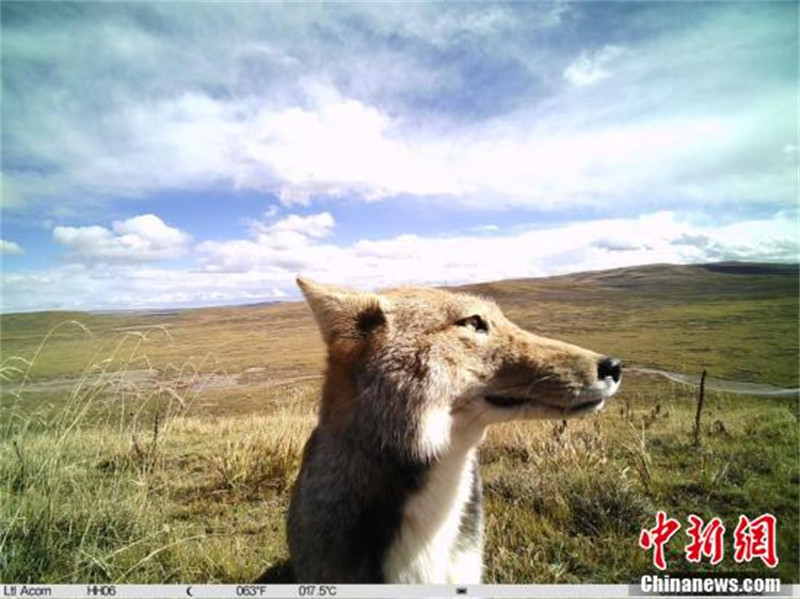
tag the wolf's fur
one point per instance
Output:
(389, 489)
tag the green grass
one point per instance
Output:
(171, 476)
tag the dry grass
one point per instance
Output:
(180, 497)
(194, 500)
(166, 452)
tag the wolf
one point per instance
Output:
(389, 489)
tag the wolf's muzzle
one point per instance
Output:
(609, 367)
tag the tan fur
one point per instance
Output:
(507, 360)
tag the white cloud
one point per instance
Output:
(606, 243)
(343, 147)
(485, 229)
(293, 232)
(150, 228)
(286, 118)
(257, 269)
(588, 68)
(10, 248)
(12, 197)
(790, 154)
(339, 146)
(289, 244)
(619, 244)
(138, 239)
(315, 225)
(126, 286)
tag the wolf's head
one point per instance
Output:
(424, 369)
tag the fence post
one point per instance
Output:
(699, 409)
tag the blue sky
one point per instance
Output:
(181, 154)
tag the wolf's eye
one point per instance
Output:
(475, 322)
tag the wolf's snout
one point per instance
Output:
(609, 366)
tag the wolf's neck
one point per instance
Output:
(435, 519)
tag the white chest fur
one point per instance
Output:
(425, 550)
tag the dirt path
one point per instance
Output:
(714, 384)
(146, 380)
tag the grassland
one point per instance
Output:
(161, 447)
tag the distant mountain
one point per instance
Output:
(652, 278)
(721, 279)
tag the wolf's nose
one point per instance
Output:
(609, 366)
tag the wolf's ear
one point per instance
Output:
(342, 313)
